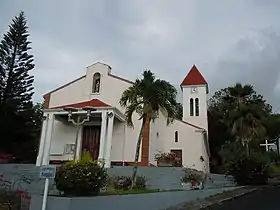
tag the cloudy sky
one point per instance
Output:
(229, 40)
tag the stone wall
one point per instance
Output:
(26, 177)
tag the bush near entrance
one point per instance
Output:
(247, 167)
(81, 178)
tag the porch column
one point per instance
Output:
(103, 135)
(108, 147)
(79, 145)
(42, 140)
(47, 148)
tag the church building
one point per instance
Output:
(93, 101)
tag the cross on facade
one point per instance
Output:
(267, 145)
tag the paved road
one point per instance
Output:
(265, 199)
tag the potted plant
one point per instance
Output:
(192, 179)
(166, 159)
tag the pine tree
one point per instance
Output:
(16, 85)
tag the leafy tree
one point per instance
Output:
(236, 112)
(16, 86)
(147, 97)
(272, 125)
(247, 169)
(179, 111)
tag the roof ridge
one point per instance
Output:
(190, 124)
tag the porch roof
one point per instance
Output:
(92, 103)
(95, 103)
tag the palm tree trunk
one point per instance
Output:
(137, 154)
(146, 141)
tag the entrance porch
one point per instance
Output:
(58, 135)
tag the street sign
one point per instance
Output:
(47, 172)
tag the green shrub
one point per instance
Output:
(81, 178)
(192, 176)
(122, 182)
(274, 157)
(247, 169)
(274, 169)
(9, 200)
(140, 182)
(125, 182)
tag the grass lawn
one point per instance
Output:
(9, 201)
(112, 191)
(133, 191)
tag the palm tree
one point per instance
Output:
(147, 97)
(245, 114)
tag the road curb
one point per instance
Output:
(238, 195)
(219, 202)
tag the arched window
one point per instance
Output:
(196, 107)
(191, 107)
(176, 136)
(96, 83)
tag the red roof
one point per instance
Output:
(92, 103)
(194, 77)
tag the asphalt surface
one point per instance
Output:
(264, 199)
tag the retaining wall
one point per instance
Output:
(164, 178)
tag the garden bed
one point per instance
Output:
(124, 192)
(9, 201)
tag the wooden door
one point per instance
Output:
(91, 140)
(179, 154)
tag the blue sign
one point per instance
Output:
(47, 172)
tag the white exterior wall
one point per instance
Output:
(111, 90)
(62, 134)
(190, 141)
(201, 94)
(70, 94)
(125, 138)
(118, 143)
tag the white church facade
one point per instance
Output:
(106, 135)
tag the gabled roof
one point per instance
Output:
(93, 103)
(82, 77)
(194, 77)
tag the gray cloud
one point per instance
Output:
(230, 41)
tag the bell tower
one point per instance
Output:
(195, 90)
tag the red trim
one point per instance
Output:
(47, 98)
(113, 163)
(93, 103)
(129, 163)
(58, 162)
(194, 77)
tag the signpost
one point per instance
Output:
(47, 172)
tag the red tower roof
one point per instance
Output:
(194, 77)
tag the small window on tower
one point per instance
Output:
(96, 83)
(176, 136)
(191, 107)
(196, 107)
